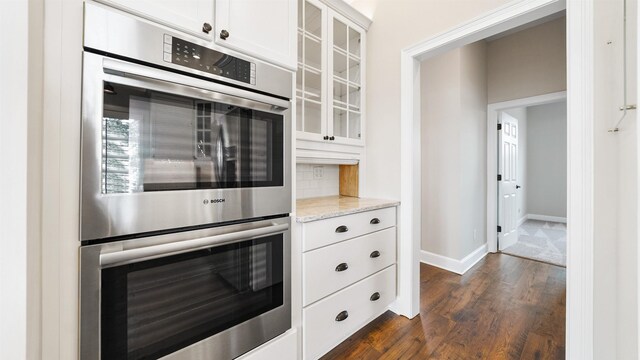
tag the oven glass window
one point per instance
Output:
(153, 308)
(153, 141)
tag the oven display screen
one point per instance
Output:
(197, 57)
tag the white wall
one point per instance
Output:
(616, 181)
(396, 25)
(454, 104)
(21, 178)
(546, 134)
(520, 114)
(528, 63)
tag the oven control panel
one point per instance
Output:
(185, 53)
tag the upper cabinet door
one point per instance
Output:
(194, 17)
(265, 29)
(346, 68)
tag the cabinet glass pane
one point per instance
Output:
(340, 94)
(340, 65)
(312, 117)
(312, 85)
(312, 53)
(354, 98)
(354, 71)
(354, 125)
(299, 114)
(300, 7)
(300, 48)
(299, 81)
(340, 122)
(339, 34)
(313, 20)
(354, 42)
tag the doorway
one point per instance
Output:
(532, 180)
(580, 149)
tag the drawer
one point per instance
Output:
(331, 320)
(320, 233)
(331, 268)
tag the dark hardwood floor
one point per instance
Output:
(505, 307)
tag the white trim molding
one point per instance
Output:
(580, 184)
(457, 266)
(493, 111)
(538, 217)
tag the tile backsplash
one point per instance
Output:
(317, 180)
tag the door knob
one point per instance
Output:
(206, 27)
(224, 34)
(518, 186)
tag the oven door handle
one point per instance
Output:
(180, 84)
(152, 252)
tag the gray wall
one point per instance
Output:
(528, 63)
(546, 159)
(454, 105)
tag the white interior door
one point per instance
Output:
(508, 169)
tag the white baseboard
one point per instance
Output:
(453, 265)
(557, 219)
(522, 220)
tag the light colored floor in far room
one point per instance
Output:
(541, 240)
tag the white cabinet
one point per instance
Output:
(329, 83)
(264, 29)
(348, 276)
(194, 17)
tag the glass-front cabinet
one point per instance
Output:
(330, 90)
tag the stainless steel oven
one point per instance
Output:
(206, 294)
(176, 133)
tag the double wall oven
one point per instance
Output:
(185, 195)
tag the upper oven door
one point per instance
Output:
(162, 150)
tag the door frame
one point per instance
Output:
(580, 148)
(493, 111)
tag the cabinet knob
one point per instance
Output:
(224, 34)
(375, 254)
(332, 138)
(343, 315)
(342, 229)
(326, 137)
(206, 28)
(374, 221)
(342, 267)
(375, 296)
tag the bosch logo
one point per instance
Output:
(212, 201)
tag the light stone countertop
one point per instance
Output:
(319, 208)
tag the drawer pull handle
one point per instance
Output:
(375, 296)
(342, 229)
(375, 254)
(342, 267)
(342, 316)
(374, 221)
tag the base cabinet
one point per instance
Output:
(333, 319)
(348, 276)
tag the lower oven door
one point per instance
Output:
(205, 294)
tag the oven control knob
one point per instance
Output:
(224, 34)
(206, 28)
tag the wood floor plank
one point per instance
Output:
(503, 308)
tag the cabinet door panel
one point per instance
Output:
(185, 15)
(262, 28)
